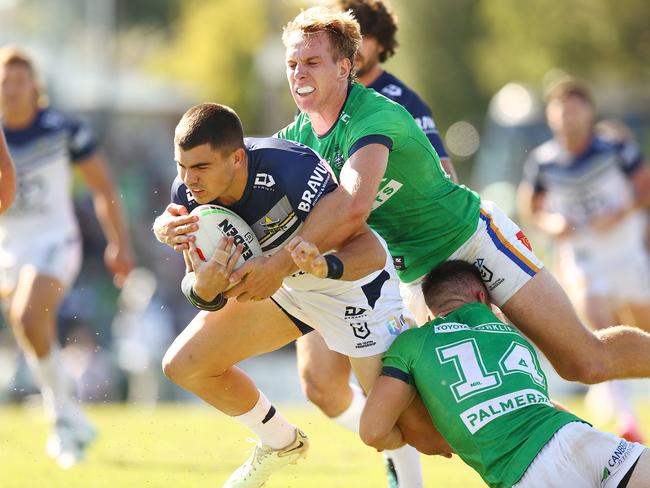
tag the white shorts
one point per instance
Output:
(358, 319)
(501, 252)
(580, 456)
(55, 255)
(623, 276)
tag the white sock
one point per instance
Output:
(56, 385)
(269, 425)
(406, 461)
(351, 416)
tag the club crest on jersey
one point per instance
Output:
(271, 226)
(337, 161)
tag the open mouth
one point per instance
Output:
(305, 90)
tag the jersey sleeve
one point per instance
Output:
(398, 360)
(384, 126)
(630, 158)
(178, 193)
(306, 180)
(532, 175)
(81, 143)
(424, 119)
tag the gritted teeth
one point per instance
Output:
(305, 90)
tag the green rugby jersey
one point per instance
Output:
(481, 382)
(423, 216)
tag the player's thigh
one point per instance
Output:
(542, 311)
(641, 475)
(318, 365)
(367, 370)
(35, 300)
(215, 341)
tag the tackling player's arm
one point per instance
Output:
(334, 220)
(7, 176)
(360, 256)
(118, 255)
(387, 400)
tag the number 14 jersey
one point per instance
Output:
(482, 384)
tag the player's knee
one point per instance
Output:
(323, 393)
(173, 368)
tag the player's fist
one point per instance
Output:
(307, 257)
(173, 226)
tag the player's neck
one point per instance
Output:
(576, 144)
(18, 119)
(370, 76)
(238, 186)
(327, 115)
(450, 306)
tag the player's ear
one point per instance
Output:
(239, 155)
(345, 66)
(483, 297)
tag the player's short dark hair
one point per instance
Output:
(376, 19)
(450, 279)
(211, 123)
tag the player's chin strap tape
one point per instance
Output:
(187, 287)
(334, 266)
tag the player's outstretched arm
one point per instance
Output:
(359, 257)
(7, 176)
(173, 226)
(119, 254)
(387, 400)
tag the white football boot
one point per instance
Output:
(265, 461)
(69, 439)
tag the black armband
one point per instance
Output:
(334, 266)
(187, 287)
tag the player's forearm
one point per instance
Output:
(7, 176)
(110, 216)
(361, 255)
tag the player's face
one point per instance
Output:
(314, 76)
(18, 91)
(368, 55)
(208, 173)
(570, 115)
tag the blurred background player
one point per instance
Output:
(324, 374)
(483, 386)
(591, 193)
(40, 245)
(7, 176)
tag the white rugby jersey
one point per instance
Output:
(596, 182)
(43, 154)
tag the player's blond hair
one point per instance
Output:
(341, 28)
(13, 56)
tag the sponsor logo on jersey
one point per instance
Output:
(316, 184)
(448, 327)
(524, 240)
(392, 91)
(354, 312)
(387, 188)
(620, 454)
(399, 263)
(264, 180)
(478, 416)
(396, 325)
(426, 123)
(229, 229)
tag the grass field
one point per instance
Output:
(189, 446)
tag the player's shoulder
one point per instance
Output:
(546, 153)
(51, 119)
(395, 89)
(278, 154)
(367, 105)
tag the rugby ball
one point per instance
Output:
(215, 224)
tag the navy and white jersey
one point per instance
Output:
(285, 180)
(43, 154)
(583, 187)
(393, 88)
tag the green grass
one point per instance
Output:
(193, 446)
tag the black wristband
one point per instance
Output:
(334, 266)
(187, 287)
